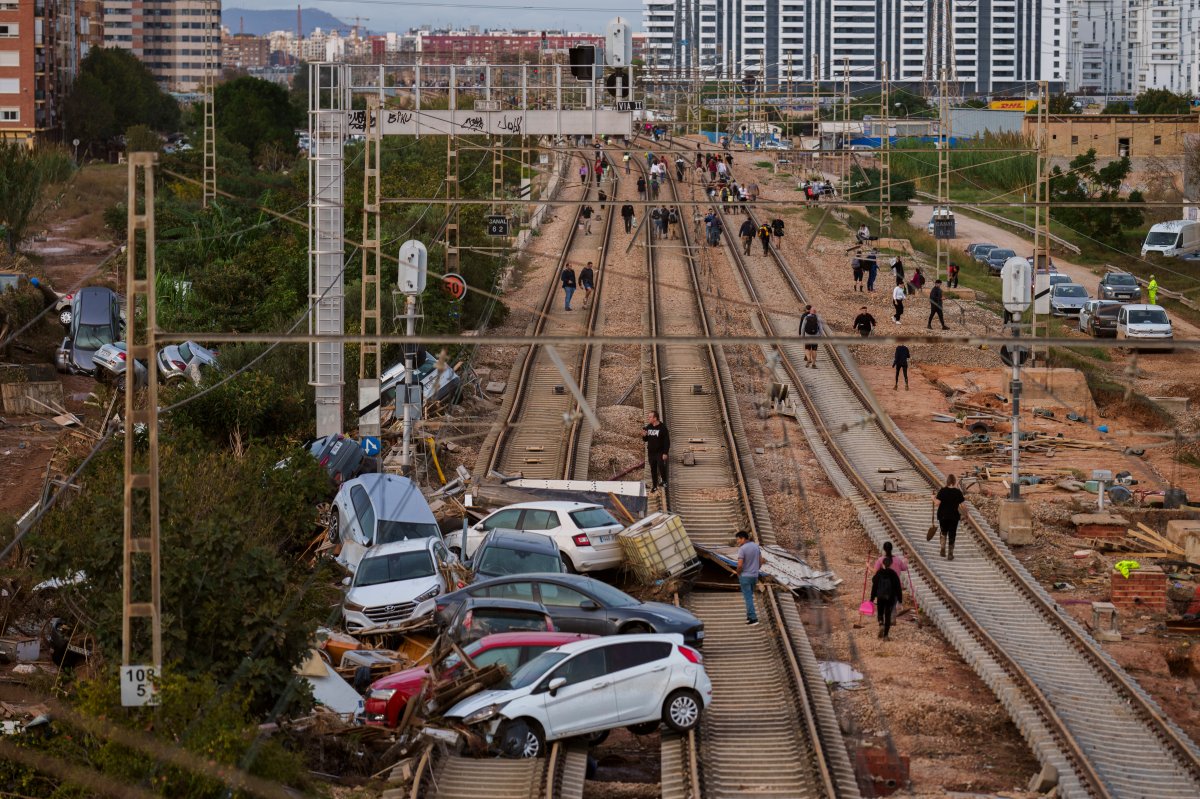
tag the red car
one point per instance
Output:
(388, 695)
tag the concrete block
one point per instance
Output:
(1044, 780)
(1016, 523)
(1172, 404)
(1185, 533)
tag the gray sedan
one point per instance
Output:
(580, 604)
(181, 360)
(111, 361)
(1067, 299)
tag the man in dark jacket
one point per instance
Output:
(864, 323)
(658, 448)
(886, 592)
(568, 284)
(746, 231)
(935, 305)
(627, 215)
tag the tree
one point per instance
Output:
(237, 607)
(1116, 108)
(1083, 182)
(1162, 101)
(256, 113)
(140, 139)
(1062, 104)
(25, 176)
(113, 92)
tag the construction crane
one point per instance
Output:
(357, 24)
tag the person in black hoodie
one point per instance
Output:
(658, 447)
(568, 285)
(886, 592)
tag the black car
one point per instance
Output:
(580, 604)
(507, 552)
(478, 618)
(95, 321)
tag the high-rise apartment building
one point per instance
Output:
(29, 69)
(1164, 45)
(994, 46)
(176, 39)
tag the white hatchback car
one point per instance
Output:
(396, 584)
(590, 686)
(586, 534)
(1144, 323)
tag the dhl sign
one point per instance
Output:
(1012, 105)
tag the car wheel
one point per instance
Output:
(334, 533)
(681, 711)
(529, 741)
(637, 628)
(596, 738)
(645, 728)
(568, 565)
(64, 317)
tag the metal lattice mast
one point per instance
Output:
(1041, 227)
(208, 89)
(845, 149)
(816, 99)
(452, 239)
(885, 156)
(328, 102)
(943, 182)
(141, 523)
(369, 354)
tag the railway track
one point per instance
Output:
(771, 729)
(539, 401)
(560, 775)
(1077, 709)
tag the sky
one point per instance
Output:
(386, 15)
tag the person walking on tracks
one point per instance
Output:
(864, 323)
(764, 235)
(587, 280)
(585, 214)
(810, 328)
(935, 305)
(673, 222)
(658, 449)
(898, 300)
(872, 270)
(899, 564)
(568, 284)
(856, 265)
(627, 215)
(900, 361)
(746, 231)
(946, 502)
(886, 592)
(749, 563)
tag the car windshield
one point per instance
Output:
(1121, 280)
(93, 337)
(608, 596)
(1148, 317)
(185, 352)
(994, 254)
(1161, 238)
(588, 518)
(394, 568)
(1069, 290)
(389, 531)
(499, 561)
(532, 671)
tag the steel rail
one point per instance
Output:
(534, 362)
(1161, 727)
(753, 507)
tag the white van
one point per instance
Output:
(1176, 238)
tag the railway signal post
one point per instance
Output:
(1016, 519)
